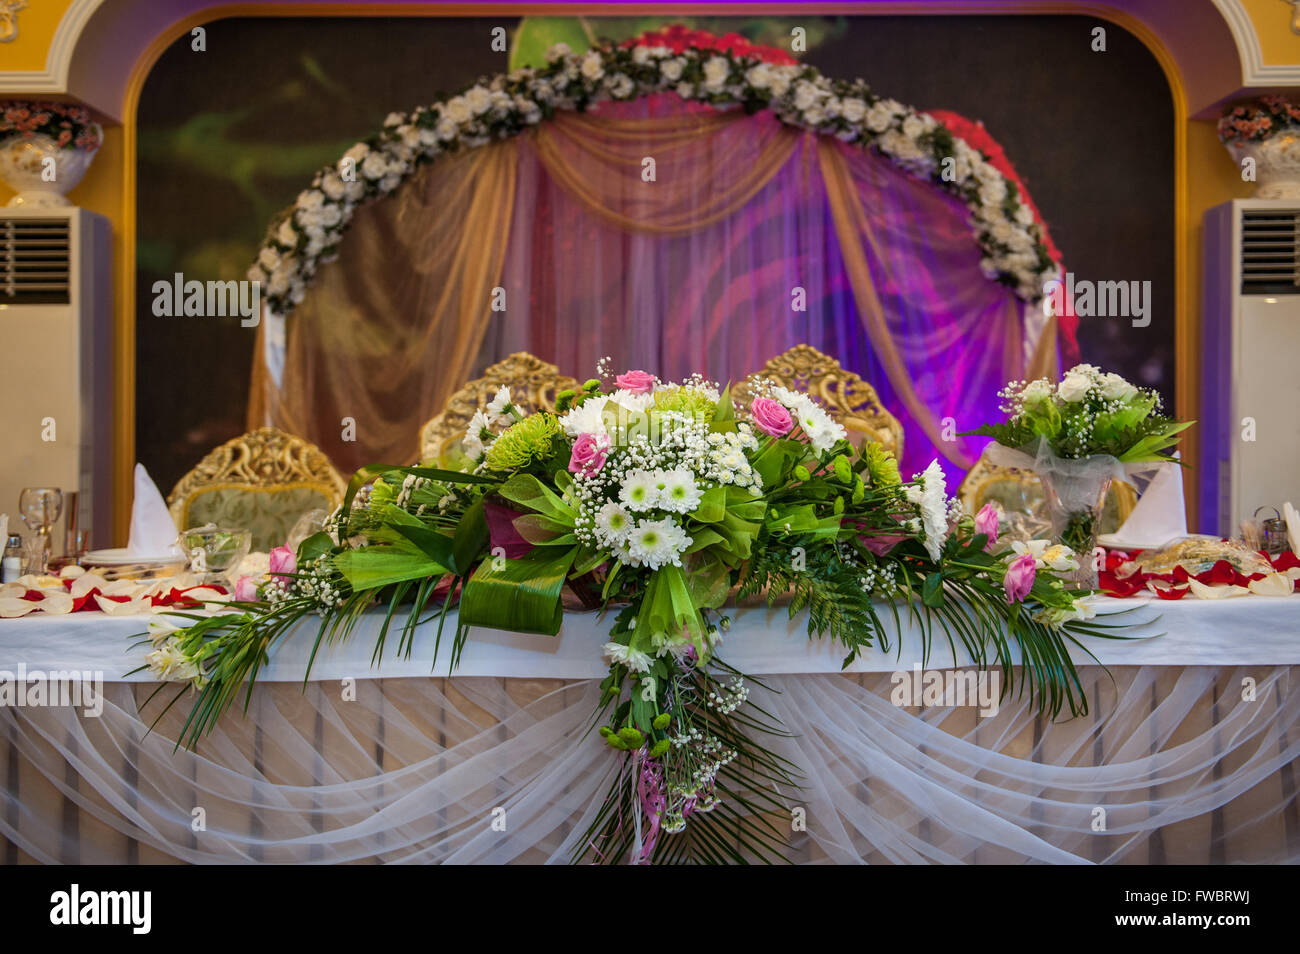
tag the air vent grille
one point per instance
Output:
(35, 261)
(1270, 252)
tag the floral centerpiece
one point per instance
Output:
(1265, 132)
(1078, 435)
(32, 132)
(665, 501)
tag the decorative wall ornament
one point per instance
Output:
(9, 19)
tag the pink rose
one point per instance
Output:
(246, 589)
(638, 382)
(1020, 577)
(771, 416)
(283, 561)
(589, 453)
(986, 522)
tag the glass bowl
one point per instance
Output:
(215, 552)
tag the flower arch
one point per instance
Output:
(723, 72)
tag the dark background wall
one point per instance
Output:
(231, 134)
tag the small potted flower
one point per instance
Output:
(1078, 436)
(45, 149)
(1267, 132)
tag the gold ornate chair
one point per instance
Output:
(533, 385)
(262, 481)
(1020, 493)
(850, 400)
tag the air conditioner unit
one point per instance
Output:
(1250, 398)
(56, 300)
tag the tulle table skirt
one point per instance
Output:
(1173, 764)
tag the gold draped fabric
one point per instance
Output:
(386, 334)
(706, 166)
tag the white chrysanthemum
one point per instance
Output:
(496, 409)
(634, 659)
(639, 491)
(613, 523)
(931, 498)
(632, 401)
(586, 419)
(473, 440)
(656, 543)
(679, 493)
(822, 429)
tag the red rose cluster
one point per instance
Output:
(1118, 579)
(1258, 120)
(678, 38)
(69, 126)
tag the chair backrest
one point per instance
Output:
(261, 481)
(1021, 491)
(533, 385)
(849, 399)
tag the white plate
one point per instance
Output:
(118, 556)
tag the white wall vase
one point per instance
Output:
(1277, 164)
(42, 184)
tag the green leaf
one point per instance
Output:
(932, 590)
(317, 545)
(724, 414)
(470, 539)
(527, 491)
(373, 567)
(437, 546)
(522, 597)
(713, 505)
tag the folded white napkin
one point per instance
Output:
(1292, 526)
(1160, 514)
(153, 532)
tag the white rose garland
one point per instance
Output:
(308, 234)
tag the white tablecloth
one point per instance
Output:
(1245, 631)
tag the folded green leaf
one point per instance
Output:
(522, 596)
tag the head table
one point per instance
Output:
(1186, 754)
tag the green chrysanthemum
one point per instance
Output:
(382, 492)
(686, 401)
(524, 442)
(881, 465)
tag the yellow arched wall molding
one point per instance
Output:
(1271, 19)
(1269, 51)
(1198, 185)
(48, 31)
(37, 24)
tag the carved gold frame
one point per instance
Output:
(267, 459)
(849, 399)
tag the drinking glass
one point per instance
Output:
(41, 507)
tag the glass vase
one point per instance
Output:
(1074, 507)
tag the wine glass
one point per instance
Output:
(41, 507)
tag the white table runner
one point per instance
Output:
(1251, 630)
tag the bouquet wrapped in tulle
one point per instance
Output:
(1079, 435)
(662, 502)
